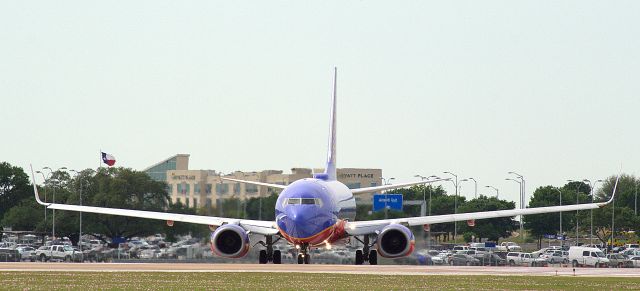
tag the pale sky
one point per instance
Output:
(548, 89)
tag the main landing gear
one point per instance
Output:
(366, 254)
(269, 255)
(303, 254)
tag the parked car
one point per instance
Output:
(463, 260)
(492, 259)
(554, 257)
(632, 246)
(526, 259)
(460, 248)
(585, 256)
(631, 252)
(58, 252)
(620, 261)
(27, 253)
(441, 259)
(508, 247)
(9, 255)
(636, 261)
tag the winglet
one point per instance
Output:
(35, 188)
(613, 194)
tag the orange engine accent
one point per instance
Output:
(169, 223)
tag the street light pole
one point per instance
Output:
(475, 186)
(577, 202)
(45, 198)
(592, 186)
(455, 205)
(80, 198)
(520, 185)
(522, 199)
(562, 241)
(494, 188)
(386, 197)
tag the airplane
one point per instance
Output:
(317, 212)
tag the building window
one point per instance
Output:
(169, 188)
(183, 188)
(249, 188)
(208, 202)
(196, 188)
(195, 202)
(222, 188)
(208, 188)
(236, 188)
(374, 184)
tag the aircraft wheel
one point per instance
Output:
(307, 259)
(359, 258)
(373, 257)
(277, 257)
(300, 259)
(262, 258)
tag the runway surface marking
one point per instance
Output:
(336, 269)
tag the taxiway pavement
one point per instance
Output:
(318, 268)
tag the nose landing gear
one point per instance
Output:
(303, 254)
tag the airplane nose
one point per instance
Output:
(299, 216)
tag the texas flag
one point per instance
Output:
(108, 159)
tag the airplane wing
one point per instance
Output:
(256, 183)
(253, 226)
(372, 226)
(396, 186)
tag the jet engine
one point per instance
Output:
(230, 241)
(395, 241)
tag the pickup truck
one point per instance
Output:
(525, 259)
(57, 252)
(508, 247)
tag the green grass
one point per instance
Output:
(297, 281)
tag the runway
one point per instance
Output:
(319, 268)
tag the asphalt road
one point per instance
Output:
(345, 269)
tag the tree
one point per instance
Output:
(14, 187)
(493, 228)
(549, 223)
(28, 215)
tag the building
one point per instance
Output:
(205, 188)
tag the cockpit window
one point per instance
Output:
(305, 201)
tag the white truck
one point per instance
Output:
(585, 256)
(525, 259)
(508, 246)
(57, 252)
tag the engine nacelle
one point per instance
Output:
(230, 241)
(395, 241)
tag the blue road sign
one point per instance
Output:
(391, 201)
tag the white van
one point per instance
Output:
(584, 256)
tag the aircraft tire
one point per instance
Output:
(300, 259)
(359, 258)
(307, 259)
(277, 257)
(262, 258)
(373, 257)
